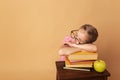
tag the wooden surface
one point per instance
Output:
(66, 74)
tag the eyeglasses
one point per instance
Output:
(74, 35)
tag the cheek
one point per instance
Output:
(83, 38)
(74, 41)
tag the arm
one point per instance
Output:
(71, 48)
(84, 47)
(67, 50)
(87, 47)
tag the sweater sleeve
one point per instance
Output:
(67, 39)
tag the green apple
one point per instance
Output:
(99, 65)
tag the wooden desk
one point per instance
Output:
(65, 74)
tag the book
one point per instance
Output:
(83, 56)
(82, 64)
(77, 68)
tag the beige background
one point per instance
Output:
(31, 32)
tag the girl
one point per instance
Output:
(79, 40)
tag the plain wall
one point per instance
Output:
(31, 32)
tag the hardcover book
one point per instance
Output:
(82, 64)
(83, 56)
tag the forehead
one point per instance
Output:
(83, 35)
(82, 31)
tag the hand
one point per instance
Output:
(71, 44)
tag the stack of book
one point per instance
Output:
(80, 60)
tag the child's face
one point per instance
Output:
(82, 36)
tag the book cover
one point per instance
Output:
(83, 56)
